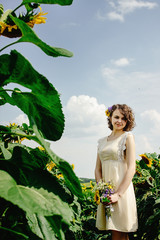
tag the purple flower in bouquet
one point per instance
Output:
(103, 190)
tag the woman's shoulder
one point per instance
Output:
(127, 134)
(129, 137)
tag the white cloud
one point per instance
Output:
(85, 124)
(111, 16)
(152, 119)
(147, 139)
(22, 118)
(123, 7)
(122, 62)
(81, 152)
(115, 16)
(123, 81)
(84, 116)
(109, 73)
(143, 145)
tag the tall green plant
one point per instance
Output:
(147, 187)
(42, 202)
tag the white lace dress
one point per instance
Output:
(114, 167)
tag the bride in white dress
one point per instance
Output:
(116, 162)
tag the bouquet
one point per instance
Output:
(102, 191)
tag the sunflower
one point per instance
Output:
(9, 29)
(107, 113)
(83, 186)
(147, 160)
(138, 173)
(72, 166)
(41, 148)
(91, 185)
(23, 138)
(138, 170)
(97, 197)
(38, 18)
(59, 176)
(50, 166)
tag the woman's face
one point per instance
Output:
(118, 120)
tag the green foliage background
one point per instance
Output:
(147, 189)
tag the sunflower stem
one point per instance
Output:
(30, 137)
(18, 7)
(14, 232)
(7, 90)
(7, 46)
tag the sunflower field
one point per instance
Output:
(147, 189)
(41, 197)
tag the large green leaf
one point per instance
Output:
(46, 227)
(42, 103)
(32, 200)
(70, 177)
(30, 164)
(60, 2)
(28, 35)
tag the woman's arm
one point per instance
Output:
(98, 169)
(131, 164)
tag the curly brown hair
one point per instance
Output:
(128, 114)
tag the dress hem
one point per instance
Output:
(115, 229)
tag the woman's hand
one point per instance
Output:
(113, 198)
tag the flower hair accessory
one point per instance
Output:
(108, 111)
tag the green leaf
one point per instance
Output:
(56, 224)
(70, 177)
(32, 200)
(6, 153)
(5, 15)
(5, 98)
(157, 201)
(5, 68)
(28, 35)
(25, 126)
(46, 227)
(1, 9)
(29, 158)
(4, 129)
(34, 106)
(60, 2)
(31, 167)
(42, 103)
(40, 226)
(29, 7)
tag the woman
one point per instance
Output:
(116, 162)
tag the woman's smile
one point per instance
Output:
(118, 120)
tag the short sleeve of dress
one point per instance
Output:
(99, 143)
(122, 146)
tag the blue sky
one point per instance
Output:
(116, 46)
